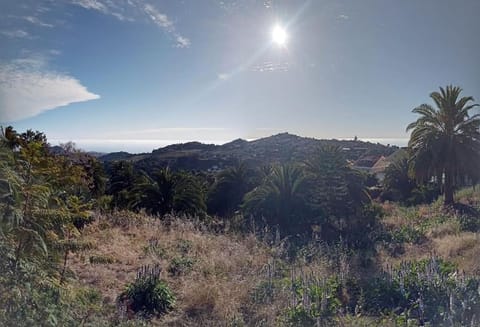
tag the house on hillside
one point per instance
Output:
(365, 163)
(378, 164)
(378, 169)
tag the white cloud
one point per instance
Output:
(91, 4)
(106, 7)
(36, 21)
(343, 17)
(157, 17)
(130, 10)
(182, 42)
(28, 88)
(16, 34)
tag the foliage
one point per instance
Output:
(148, 295)
(122, 181)
(397, 183)
(338, 195)
(41, 201)
(162, 193)
(428, 291)
(180, 266)
(279, 199)
(445, 142)
(229, 189)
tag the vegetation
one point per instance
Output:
(445, 142)
(147, 295)
(304, 242)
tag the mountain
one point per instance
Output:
(116, 156)
(280, 148)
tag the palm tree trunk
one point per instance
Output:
(448, 188)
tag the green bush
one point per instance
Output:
(101, 259)
(426, 290)
(180, 266)
(148, 295)
(184, 246)
(469, 223)
(407, 234)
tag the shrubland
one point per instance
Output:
(298, 244)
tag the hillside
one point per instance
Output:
(221, 278)
(280, 148)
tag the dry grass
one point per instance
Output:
(442, 230)
(218, 290)
(462, 249)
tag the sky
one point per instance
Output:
(135, 75)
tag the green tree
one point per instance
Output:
(398, 184)
(279, 199)
(337, 195)
(229, 189)
(122, 182)
(445, 141)
(167, 191)
(37, 232)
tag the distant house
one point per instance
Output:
(365, 163)
(383, 162)
(378, 169)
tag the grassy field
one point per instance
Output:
(221, 278)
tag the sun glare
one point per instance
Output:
(279, 35)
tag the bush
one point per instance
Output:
(180, 266)
(101, 259)
(426, 290)
(469, 223)
(148, 295)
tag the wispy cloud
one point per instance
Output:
(182, 42)
(16, 34)
(343, 17)
(269, 66)
(157, 17)
(91, 4)
(54, 52)
(223, 76)
(36, 21)
(131, 10)
(28, 88)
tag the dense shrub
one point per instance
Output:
(427, 290)
(148, 295)
(469, 223)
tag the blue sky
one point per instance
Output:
(138, 74)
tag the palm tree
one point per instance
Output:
(398, 183)
(230, 187)
(445, 142)
(279, 199)
(167, 191)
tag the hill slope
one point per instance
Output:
(280, 148)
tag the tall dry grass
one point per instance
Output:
(217, 290)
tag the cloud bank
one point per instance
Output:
(27, 89)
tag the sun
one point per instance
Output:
(279, 35)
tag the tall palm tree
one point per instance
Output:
(445, 141)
